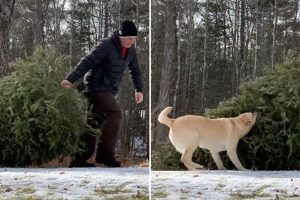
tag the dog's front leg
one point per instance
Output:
(235, 160)
(231, 147)
(217, 159)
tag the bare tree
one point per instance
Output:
(235, 45)
(205, 65)
(190, 51)
(59, 11)
(40, 11)
(179, 70)
(6, 11)
(257, 27)
(72, 36)
(169, 57)
(106, 9)
(242, 39)
(275, 19)
(137, 7)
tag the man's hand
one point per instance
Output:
(139, 97)
(66, 84)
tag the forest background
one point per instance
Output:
(71, 29)
(207, 52)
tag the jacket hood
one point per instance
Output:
(115, 38)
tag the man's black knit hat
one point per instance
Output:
(128, 28)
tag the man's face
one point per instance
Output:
(127, 41)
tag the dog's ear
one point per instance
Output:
(246, 119)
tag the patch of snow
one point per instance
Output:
(73, 183)
(222, 185)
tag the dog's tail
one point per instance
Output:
(163, 117)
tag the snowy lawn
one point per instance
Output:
(74, 183)
(222, 185)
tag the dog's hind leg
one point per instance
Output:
(186, 158)
(217, 159)
(197, 166)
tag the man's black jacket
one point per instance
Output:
(104, 67)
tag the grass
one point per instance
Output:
(84, 182)
(103, 191)
(221, 185)
(51, 187)
(32, 198)
(118, 189)
(253, 195)
(121, 191)
(50, 193)
(185, 194)
(5, 189)
(26, 198)
(26, 190)
(142, 197)
(159, 194)
(87, 198)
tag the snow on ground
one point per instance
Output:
(74, 183)
(132, 183)
(223, 185)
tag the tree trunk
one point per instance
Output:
(242, 40)
(100, 20)
(295, 23)
(169, 58)
(106, 19)
(6, 11)
(204, 69)
(224, 31)
(137, 13)
(274, 33)
(177, 84)
(72, 40)
(58, 17)
(121, 11)
(190, 56)
(235, 46)
(38, 24)
(257, 20)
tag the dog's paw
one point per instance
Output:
(197, 166)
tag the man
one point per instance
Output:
(103, 68)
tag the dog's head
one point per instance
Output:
(249, 118)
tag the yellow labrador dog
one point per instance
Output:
(222, 134)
